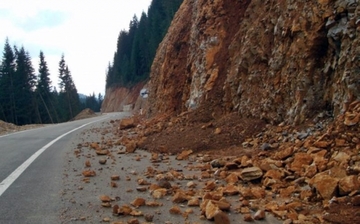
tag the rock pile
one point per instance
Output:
(299, 174)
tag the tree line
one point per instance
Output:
(27, 97)
(136, 47)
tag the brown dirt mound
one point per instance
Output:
(7, 127)
(86, 113)
(181, 133)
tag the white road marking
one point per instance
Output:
(5, 184)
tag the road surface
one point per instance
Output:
(31, 164)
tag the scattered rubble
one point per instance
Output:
(297, 177)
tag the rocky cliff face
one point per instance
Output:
(275, 60)
(116, 98)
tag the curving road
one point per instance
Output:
(30, 170)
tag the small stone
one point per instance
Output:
(210, 185)
(351, 119)
(231, 166)
(217, 131)
(106, 204)
(87, 163)
(248, 217)
(126, 123)
(251, 173)
(115, 177)
(180, 197)
(232, 178)
(221, 218)
(265, 146)
(326, 185)
(153, 204)
(141, 189)
(184, 154)
(113, 184)
(133, 221)
(211, 209)
(191, 184)
(159, 193)
(88, 173)
(259, 215)
(164, 184)
(106, 219)
(149, 217)
(193, 202)
(348, 184)
(105, 198)
(138, 202)
(230, 190)
(322, 144)
(217, 163)
(142, 181)
(102, 152)
(175, 210)
(130, 146)
(115, 209)
(102, 161)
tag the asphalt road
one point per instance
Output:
(30, 170)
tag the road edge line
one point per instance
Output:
(6, 183)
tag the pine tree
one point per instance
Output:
(24, 83)
(46, 109)
(69, 97)
(7, 73)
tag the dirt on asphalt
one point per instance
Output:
(146, 186)
(228, 169)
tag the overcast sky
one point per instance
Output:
(85, 31)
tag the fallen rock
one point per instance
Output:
(248, 217)
(221, 218)
(133, 221)
(251, 173)
(211, 209)
(351, 119)
(232, 178)
(115, 177)
(105, 198)
(159, 193)
(193, 202)
(175, 210)
(180, 197)
(184, 154)
(88, 173)
(102, 152)
(217, 163)
(348, 184)
(325, 185)
(87, 163)
(230, 190)
(149, 217)
(127, 123)
(138, 202)
(102, 161)
(259, 215)
(130, 146)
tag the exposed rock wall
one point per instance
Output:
(116, 98)
(280, 60)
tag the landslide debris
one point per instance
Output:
(7, 128)
(299, 174)
(86, 113)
